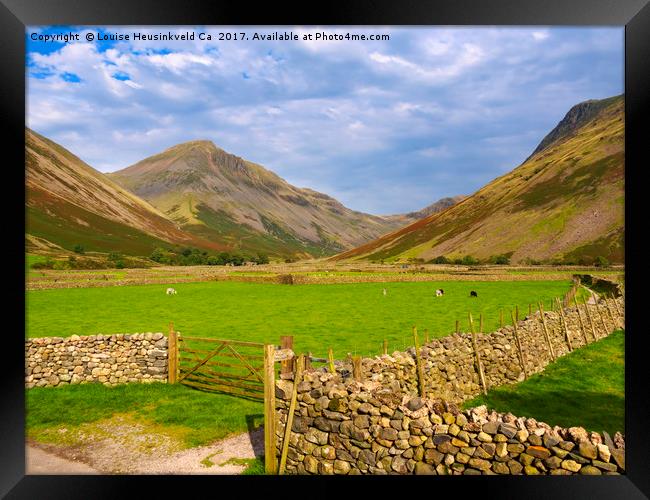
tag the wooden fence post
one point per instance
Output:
(356, 368)
(521, 352)
(500, 318)
(530, 310)
(479, 365)
(582, 325)
(457, 326)
(292, 408)
(426, 335)
(308, 361)
(480, 328)
(270, 460)
(286, 366)
(618, 309)
(418, 362)
(330, 357)
(609, 312)
(564, 325)
(172, 355)
(591, 321)
(385, 346)
(545, 330)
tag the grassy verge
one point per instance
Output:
(196, 418)
(585, 388)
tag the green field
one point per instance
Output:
(347, 317)
(584, 388)
(193, 417)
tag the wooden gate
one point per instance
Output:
(229, 366)
(245, 369)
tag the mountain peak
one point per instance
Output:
(576, 117)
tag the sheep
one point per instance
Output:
(384, 292)
(171, 291)
(473, 294)
(440, 292)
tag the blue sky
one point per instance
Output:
(383, 126)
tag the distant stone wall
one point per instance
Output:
(106, 359)
(449, 363)
(380, 425)
(352, 429)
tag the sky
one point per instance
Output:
(384, 126)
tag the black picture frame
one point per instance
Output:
(633, 14)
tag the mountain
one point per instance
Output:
(222, 197)
(434, 208)
(565, 202)
(70, 203)
(577, 116)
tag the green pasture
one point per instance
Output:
(353, 318)
(585, 388)
(196, 418)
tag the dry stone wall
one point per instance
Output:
(380, 425)
(106, 359)
(449, 363)
(351, 428)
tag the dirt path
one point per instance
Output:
(39, 461)
(123, 453)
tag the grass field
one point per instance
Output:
(584, 388)
(195, 418)
(347, 317)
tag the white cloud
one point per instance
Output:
(329, 115)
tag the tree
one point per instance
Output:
(441, 259)
(468, 260)
(157, 255)
(79, 248)
(601, 261)
(500, 259)
(262, 259)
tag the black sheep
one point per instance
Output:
(473, 294)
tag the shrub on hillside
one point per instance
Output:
(47, 264)
(440, 259)
(114, 256)
(79, 249)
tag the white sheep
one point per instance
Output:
(171, 291)
(384, 292)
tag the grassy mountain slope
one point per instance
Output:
(565, 202)
(222, 197)
(70, 203)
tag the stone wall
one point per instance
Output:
(106, 359)
(351, 429)
(449, 363)
(379, 425)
